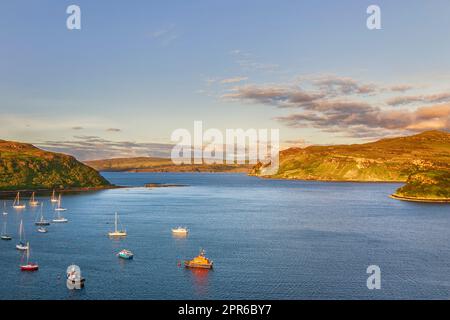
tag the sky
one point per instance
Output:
(138, 70)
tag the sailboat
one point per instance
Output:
(42, 221)
(5, 235)
(53, 198)
(59, 218)
(59, 208)
(29, 266)
(21, 245)
(116, 232)
(5, 213)
(16, 204)
(33, 201)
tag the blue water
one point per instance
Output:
(269, 239)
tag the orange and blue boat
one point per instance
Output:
(199, 261)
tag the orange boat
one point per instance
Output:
(199, 261)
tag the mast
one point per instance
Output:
(115, 223)
(28, 253)
(42, 213)
(20, 230)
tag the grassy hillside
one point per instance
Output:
(23, 166)
(411, 159)
(429, 185)
(149, 164)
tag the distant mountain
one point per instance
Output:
(419, 159)
(151, 164)
(23, 166)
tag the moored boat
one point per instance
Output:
(33, 202)
(199, 261)
(117, 232)
(53, 198)
(125, 254)
(180, 231)
(17, 204)
(29, 266)
(21, 245)
(42, 230)
(58, 207)
(42, 221)
(4, 235)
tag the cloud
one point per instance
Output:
(401, 87)
(113, 130)
(94, 147)
(346, 106)
(249, 62)
(77, 128)
(433, 98)
(335, 85)
(233, 80)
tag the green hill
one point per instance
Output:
(394, 159)
(23, 166)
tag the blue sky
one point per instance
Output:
(138, 70)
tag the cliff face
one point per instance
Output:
(23, 166)
(423, 160)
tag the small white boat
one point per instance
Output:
(42, 230)
(180, 230)
(59, 218)
(33, 202)
(58, 207)
(16, 203)
(117, 232)
(21, 245)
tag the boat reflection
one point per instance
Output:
(200, 280)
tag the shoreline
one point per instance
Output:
(424, 200)
(58, 190)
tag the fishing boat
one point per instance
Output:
(116, 232)
(74, 278)
(4, 235)
(199, 262)
(33, 202)
(125, 254)
(5, 213)
(180, 231)
(29, 266)
(58, 207)
(42, 230)
(17, 204)
(53, 198)
(42, 221)
(21, 245)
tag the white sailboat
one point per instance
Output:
(58, 207)
(21, 245)
(42, 221)
(5, 213)
(59, 218)
(4, 235)
(33, 202)
(16, 204)
(53, 198)
(116, 232)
